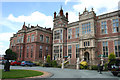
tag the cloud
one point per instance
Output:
(34, 19)
(72, 16)
(4, 41)
(5, 36)
(98, 5)
(8, 24)
(66, 1)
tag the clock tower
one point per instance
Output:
(60, 23)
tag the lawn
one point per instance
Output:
(15, 73)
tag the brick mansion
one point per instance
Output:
(86, 38)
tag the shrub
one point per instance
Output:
(83, 65)
(94, 67)
(54, 63)
(48, 59)
(111, 56)
(106, 67)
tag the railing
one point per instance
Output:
(63, 62)
(78, 62)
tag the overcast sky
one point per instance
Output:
(15, 12)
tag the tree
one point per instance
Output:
(48, 59)
(111, 56)
(10, 55)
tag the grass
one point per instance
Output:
(15, 73)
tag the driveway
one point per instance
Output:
(69, 73)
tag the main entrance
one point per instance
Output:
(86, 56)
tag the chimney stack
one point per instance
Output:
(67, 15)
(54, 14)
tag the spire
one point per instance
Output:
(92, 9)
(85, 9)
(24, 22)
(61, 11)
(23, 25)
(61, 7)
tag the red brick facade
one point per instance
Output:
(59, 42)
(31, 49)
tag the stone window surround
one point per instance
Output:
(114, 46)
(118, 25)
(101, 27)
(107, 46)
(68, 51)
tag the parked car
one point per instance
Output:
(15, 63)
(3, 62)
(114, 66)
(27, 63)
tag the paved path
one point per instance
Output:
(69, 73)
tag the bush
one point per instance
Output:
(111, 56)
(94, 67)
(54, 63)
(83, 65)
(106, 67)
(38, 63)
(48, 59)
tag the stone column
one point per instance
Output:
(77, 65)
(44, 59)
(81, 54)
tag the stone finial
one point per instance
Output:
(79, 13)
(85, 9)
(92, 9)
(24, 22)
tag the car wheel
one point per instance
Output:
(15, 64)
(115, 73)
(26, 65)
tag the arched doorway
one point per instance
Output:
(86, 56)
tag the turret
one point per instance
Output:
(54, 14)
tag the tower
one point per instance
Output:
(60, 35)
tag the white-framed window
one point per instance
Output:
(40, 52)
(18, 40)
(61, 34)
(105, 48)
(46, 50)
(56, 34)
(70, 51)
(21, 49)
(31, 51)
(77, 32)
(47, 39)
(22, 38)
(28, 38)
(104, 27)
(41, 38)
(117, 48)
(56, 49)
(32, 38)
(60, 51)
(86, 28)
(86, 43)
(115, 25)
(69, 33)
(77, 51)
